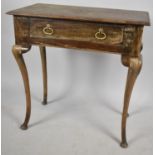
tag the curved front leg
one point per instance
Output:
(134, 65)
(44, 72)
(18, 50)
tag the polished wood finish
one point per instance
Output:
(44, 71)
(17, 52)
(104, 30)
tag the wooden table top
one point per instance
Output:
(92, 14)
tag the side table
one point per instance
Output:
(98, 29)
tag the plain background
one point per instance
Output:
(86, 91)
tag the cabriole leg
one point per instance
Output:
(134, 65)
(18, 51)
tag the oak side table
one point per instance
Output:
(97, 29)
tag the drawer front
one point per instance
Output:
(76, 31)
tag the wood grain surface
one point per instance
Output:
(84, 13)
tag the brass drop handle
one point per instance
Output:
(48, 30)
(100, 35)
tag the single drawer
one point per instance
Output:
(91, 32)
